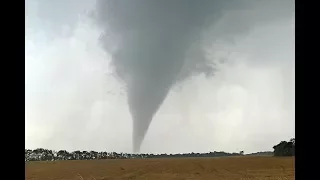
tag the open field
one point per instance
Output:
(226, 168)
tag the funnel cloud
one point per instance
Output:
(156, 44)
(159, 76)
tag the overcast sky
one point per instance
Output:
(73, 103)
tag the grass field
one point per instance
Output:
(227, 168)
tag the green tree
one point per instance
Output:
(62, 155)
(93, 154)
(76, 154)
(285, 148)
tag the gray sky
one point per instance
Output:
(73, 103)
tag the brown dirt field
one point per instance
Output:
(227, 168)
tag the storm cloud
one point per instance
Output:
(211, 75)
(151, 40)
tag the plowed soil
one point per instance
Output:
(226, 168)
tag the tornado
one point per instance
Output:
(149, 41)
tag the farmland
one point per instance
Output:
(226, 168)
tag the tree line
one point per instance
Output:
(40, 154)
